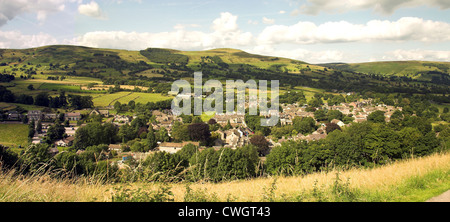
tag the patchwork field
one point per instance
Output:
(125, 97)
(106, 87)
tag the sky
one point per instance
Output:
(314, 31)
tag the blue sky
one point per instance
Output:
(315, 31)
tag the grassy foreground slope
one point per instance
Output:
(412, 180)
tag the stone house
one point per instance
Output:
(34, 115)
(175, 147)
(72, 116)
(233, 138)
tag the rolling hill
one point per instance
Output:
(419, 70)
(154, 67)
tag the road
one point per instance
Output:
(445, 197)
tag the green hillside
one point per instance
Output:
(77, 69)
(419, 70)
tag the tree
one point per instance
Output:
(126, 133)
(212, 121)
(304, 125)
(245, 162)
(31, 130)
(262, 144)
(95, 134)
(397, 115)
(117, 106)
(186, 153)
(55, 132)
(30, 87)
(162, 135)
(197, 119)
(42, 99)
(36, 156)
(330, 127)
(86, 102)
(315, 102)
(80, 102)
(8, 157)
(336, 100)
(320, 115)
(39, 127)
(334, 114)
(285, 159)
(199, 132)
(96, 118)
(151, 139)
(180, 132)
(132, 104)
(376, 117)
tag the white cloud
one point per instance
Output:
(301, 54)
(251, 22)
(226, 23)
(18, 40)
(404, 29)
(418, 54)
(226, 33)
(282, 12)
(268, 21)
(314, 7)
(91, 9)
(10, 9)
(184, 26)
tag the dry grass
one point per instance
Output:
(380, 179)
(45, 189)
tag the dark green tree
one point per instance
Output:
(376, 117)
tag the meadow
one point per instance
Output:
(125, 97)
(12, 134)
(412, 180)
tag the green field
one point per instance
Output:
(56, 87)
(13, 135)
(125, 97)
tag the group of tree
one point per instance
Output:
(44, 99)
(208, 165)
(6, 77)
(95, 133)
(37, 158)
(292, 97)
(369, 143)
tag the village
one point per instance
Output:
(233, 131)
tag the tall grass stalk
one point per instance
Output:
(414, 180)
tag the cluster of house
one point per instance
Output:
(36, 115)
(238, 135)
(48, 119)
(235, 137)
(358, 110)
